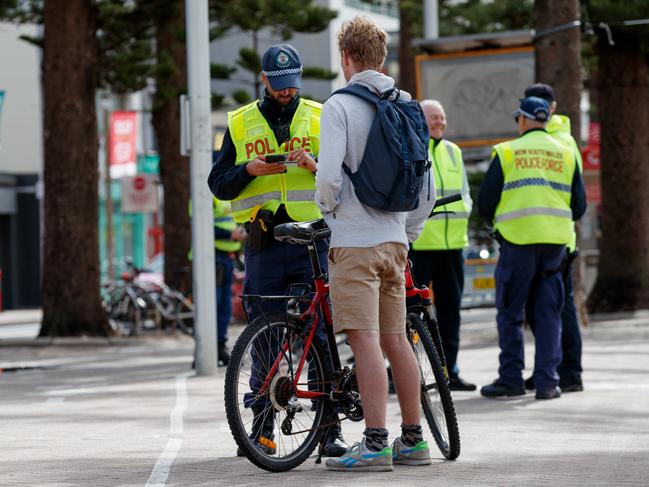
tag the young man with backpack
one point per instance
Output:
(369, 237)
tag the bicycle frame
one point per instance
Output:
(319, 303)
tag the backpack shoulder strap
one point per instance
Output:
(360, 92)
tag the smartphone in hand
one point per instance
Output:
(275, 158)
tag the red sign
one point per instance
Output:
(122, 143)
(139, 183)
(593, 133)
(590, 156)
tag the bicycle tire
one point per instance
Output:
(436, 400)
(235, 407)
(184, 315)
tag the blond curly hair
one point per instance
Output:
(364, 41)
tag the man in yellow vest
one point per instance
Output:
(437, 253)
(569, 369)
(265, 191)
(227, 241)
(532, 193)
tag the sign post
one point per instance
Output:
(200, 148)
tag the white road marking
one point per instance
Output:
(162, 467)
(55, 400)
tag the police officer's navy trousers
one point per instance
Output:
(529, 275)
(570, 367)
(269, 272)
(445, 268)
(224, 268)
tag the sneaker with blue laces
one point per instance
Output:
(403, 454)
(361, 459)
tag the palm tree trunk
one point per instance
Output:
(174, 168)
(71, 301)
(623, 270)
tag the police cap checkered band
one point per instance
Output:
(283, 72)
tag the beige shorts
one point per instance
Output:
(367, 288)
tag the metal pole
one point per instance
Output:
(200, 142)
(431, 19)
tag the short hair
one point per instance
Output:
(431, 103)
(364, 41)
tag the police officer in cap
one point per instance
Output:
(532, 193)
(570, 367)
(264, 192)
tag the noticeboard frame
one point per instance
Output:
(477, 54)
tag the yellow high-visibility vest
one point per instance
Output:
(534, 205)
(252, 137)
(223, 219)
(559, 128)
(446, 231)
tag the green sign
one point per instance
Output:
(148, 164)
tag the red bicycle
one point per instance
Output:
(285, 382)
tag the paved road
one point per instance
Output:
(134, 415)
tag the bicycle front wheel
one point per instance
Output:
(436, 400)
(273, 427)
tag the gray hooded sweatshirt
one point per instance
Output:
(344, 128)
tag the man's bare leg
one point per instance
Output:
(405, 373)
(371, 375)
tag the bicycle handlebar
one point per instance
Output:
(447, 200)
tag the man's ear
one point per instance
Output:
(264, 79)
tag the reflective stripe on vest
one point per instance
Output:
(252, 137)
(223, 220)
(534, 205)
(446, 231)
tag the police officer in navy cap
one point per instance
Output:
(570, 368)
(532, 193)
(264, 192)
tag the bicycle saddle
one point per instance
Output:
(302, 233)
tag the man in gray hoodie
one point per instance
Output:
(367, 258)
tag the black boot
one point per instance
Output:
(335, 445)
(224, 354)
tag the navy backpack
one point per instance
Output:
(395, 162)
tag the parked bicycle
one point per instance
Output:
(134, 305)
(282, 381)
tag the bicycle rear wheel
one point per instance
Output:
(274, 428)
(436, 400)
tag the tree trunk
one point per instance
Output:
(171, 82)
(623, 270)
(407, 81)
(71, 301)
(558, 63)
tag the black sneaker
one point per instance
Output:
(529, 384)
(262, 435)
(500, 389)
(549, 394)
(571, 385)
(457, 383)
(223, 354)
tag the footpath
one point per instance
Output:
(94, 413)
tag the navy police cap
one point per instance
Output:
(282, 66)
(534, 108)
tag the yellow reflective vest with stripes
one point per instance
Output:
(447, 231)
(534, 206)
(559, 128)
(252, 137)
(223, 220)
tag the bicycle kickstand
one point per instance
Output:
(321, 446)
